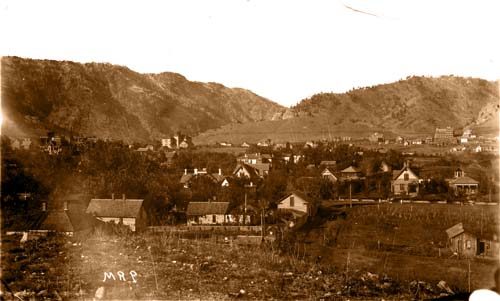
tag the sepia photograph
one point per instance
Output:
(250, 150)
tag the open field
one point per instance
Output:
(375, 252)
(167, 267)
(405, 241)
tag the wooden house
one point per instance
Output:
(462, 184)
(68, 221)
(297, 203)
(404, 182)
(128, 212)
(208, 213)
(243, 170)
(328, 175)
(295, 209)
(187, 177)
(468, 244)
(350, 173)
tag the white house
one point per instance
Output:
(327, 174)
(297, 203)
(404, 182)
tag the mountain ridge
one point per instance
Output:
(112, 101)
(414, 106)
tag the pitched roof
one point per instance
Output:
(185, 178)
(297, 193)
(464, 180)
(115, 208)
(351, 169)
(65, 221)
(250, 169)
(459, 229)
(455, 230)
(217, 177)
(204, 208)
(262, 167)
(397, 173)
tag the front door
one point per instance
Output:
(480, 248)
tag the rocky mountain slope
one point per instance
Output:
(115, 102)
(414, 106)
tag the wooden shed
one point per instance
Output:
(469, 244)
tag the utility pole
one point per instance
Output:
(350, 194)
(245, 209)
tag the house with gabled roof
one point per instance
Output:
(187, 177)
(243, 170)
(297, 203)
(329, 175)
(405, 181)
(295, 208)
(70, 221)
(128, 212)
(207, 213)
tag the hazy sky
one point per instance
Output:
(282, 50)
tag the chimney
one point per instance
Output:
(44, 206)
(123, 197)
(220, 172)
(185, 171)
(196, 171)
(65, 206)
(113, 196)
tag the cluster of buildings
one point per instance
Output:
(51, 144)
(177, 141)
(75, 215)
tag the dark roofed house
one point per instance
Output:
(70, 222)
(207, 213)
(467, 243)
(67, 222)
(243, 170)
(187, 177)
(129, 212)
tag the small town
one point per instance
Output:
(231, 150)
(327, 204)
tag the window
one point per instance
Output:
(407, 176)
(402, 187)
(214, 219)
(468, 244)
(292, 201)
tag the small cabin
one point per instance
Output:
(468, 244)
